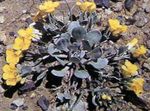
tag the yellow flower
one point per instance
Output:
(10, 74)
(129, 69)
(14, 81)
(49, 6)
(140, 51)
(106, 97)
(136, 85)
(115, 27)
(132, 43)
(114, 24)
(86, 6)
(27, 33)
(9, 71)
(21, 43)
(12, 56)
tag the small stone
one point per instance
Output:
(3, 37)
(146, 1)
(102, 3)
(29, 20)
(128, 4)
(147, 9)
(141, 19)
(147, 66)
(32, 95)
(43, 103)
(18, 102)
(1, 89)
(13, 107)
(2, 19)
(12, 33)
(24, 107)
(118, 7)
(148, 44)
(108, 11)
(1, 50)
(146, 86)
(118, 90)
(24, 11)
(2, 8)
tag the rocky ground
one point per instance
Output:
(15, 14)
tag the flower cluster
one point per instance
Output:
(25, 37)
(129, 69)
(116, 28)
(11, 74)
(49, 6)
(86, 6)
(132, 43)
(13, 55)
(140, 51)
(136, 85)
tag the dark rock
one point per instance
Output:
(29, 20)
(130, 21)
(147, 9)
(116, 0)
(27, 87)
(43, 103)
(129, 4)
(102, 3)
(12, 33)
(13, 106)
(147, 66)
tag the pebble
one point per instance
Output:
(1, 89)
(147, 66)
(146, 1)
(18, 102)
(146, 86)
(29, 20)
(2, 8)
(12, 33)
(146, 7)
(2, 19)
(108, 11)
(24, 11)
(128, 4)
(1, 52)
(148, 44)
(3, 36)
(33, 95)
(140, 18)
(118, 7)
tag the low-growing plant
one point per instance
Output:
(75, 58)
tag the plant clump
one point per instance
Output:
(76, 59)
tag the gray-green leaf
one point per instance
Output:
(81, 74)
